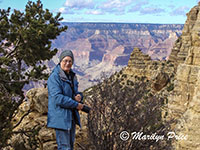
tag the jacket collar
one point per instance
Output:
(63, 75)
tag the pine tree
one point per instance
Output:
(25, 43)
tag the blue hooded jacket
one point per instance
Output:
(60, 102)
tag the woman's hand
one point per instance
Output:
(80, 106)
(78, 98)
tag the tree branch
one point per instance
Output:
(10, 54)
(17, 44)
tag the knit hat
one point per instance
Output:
(66, 53)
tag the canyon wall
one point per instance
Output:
(101, 49)
(184, 102)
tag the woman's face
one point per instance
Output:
(66, 64)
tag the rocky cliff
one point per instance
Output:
(184, 102)
(33, 112)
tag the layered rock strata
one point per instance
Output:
(106, 47)
(140, 64)
(184, 103)
(188, 39)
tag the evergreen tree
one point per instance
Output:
(25, 43)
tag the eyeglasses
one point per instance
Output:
(67, 61)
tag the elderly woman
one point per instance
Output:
(64, 101)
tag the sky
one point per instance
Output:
(122, 11)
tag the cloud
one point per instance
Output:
(65, 10)
(76, 6)
(96, 7)
(138, 6)
(180, 11)
(79, 4)
(151, 10)
(94, 12)
(115, 6)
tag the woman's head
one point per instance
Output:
(66, 60)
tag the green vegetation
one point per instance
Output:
(25, 43)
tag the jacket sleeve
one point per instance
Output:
(76, 88)
(55, 92)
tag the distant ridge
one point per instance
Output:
(121, 23)
(106, 47)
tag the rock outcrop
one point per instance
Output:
(188, 40)
(184, 103)
(34, 110)
(140, 64)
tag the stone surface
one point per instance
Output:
(184, 103)
(37, 103)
